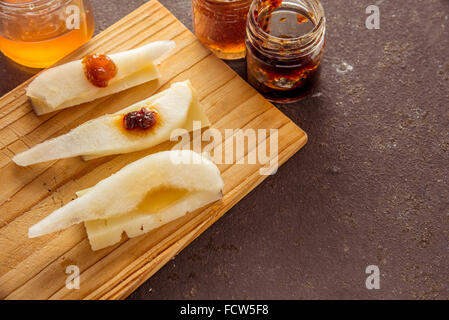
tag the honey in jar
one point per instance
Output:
(285, 43)
(38, 33)
(220, 25)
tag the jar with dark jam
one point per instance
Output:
(220, 25)
(285, 43)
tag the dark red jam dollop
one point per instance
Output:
(99, 69)
(143, 119)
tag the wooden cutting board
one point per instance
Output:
(35, 268)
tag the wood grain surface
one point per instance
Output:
(35, 268)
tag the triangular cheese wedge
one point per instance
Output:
(173, 204)
(140, 197)
(176, 107)
(195, 113)
(66, 85)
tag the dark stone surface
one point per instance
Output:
(370, 187)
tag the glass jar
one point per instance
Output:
(285, 43)
(38, 33)
(220, 25)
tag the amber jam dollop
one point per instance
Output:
(99, 69)
(285, 43)
(143, 119)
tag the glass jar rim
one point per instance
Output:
(34, 5)
(228, 1)
(235, 6)
(309, 35)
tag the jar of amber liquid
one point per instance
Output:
(285, 43)
(38, 33)
(220, 25)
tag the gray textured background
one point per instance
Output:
(370, 187)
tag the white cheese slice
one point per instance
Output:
(141, 196)
(175, 107)
(66, 85)
(165, 206)
(195, 113)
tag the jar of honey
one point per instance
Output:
(38, 33)
(220, 25)
(285, 42)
